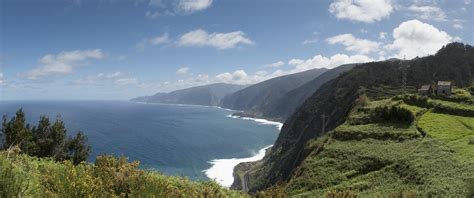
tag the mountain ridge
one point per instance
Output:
(253, 98)
(337, 97)
(208, 95)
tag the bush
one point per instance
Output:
(471, 89)
(393, 113)
(277, 191)
(26, 176)
(119, 175)
(453, 108)
(12, 182)
(416, 100)
(341, 194)
(363, 100)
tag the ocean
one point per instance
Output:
(183, 140)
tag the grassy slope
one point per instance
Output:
(454, 131)
(389, 158)
(33, 177)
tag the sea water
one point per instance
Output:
(193, 141)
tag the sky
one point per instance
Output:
(120, 49)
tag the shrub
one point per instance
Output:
(119, 175)
(277, 191)
(12, 182)
(471, 141)
(470, 187)
(416, 100)
(453, 108)
(341, 194)
(393, 113)
(471, 89)
(363, 100)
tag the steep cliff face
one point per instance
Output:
(255, 97)
(209, 95)
(335, 99)
(282, 107)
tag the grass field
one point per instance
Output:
(454, 131)
(371, 157)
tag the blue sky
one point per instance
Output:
(118, 49)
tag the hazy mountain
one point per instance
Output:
(209, 95)
(282, 107)
(254, 97)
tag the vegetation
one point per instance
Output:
(25, 176)
(256, 97)
(45, 139)
(368, 156)
(454, 131)
(40, 162)
(386, 143)
(336, 100)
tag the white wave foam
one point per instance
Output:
(259, 121)
(222, 169)
(224, 108)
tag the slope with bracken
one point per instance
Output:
(336, 99)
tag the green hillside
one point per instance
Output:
(416, 151)
(336, 99)
(25, 176)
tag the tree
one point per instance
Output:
(45, 139)
(41, 136)
(17, 132)
(77, 149)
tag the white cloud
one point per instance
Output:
(176, 7)
(153, 14)
(1, 78)
(367, 11)
(458, 23)
(62, 63)
(244, 78)
(428, 12)
(182, 70)
(320, 61)
(382, 35)
(299, 65)
(458, 26)
(354, 44)
(261, 73)
(414, 38)
(126, 81)
(309, 41)
(200, 38)
(295, 61)
(159, 40)
(189, 6)
(99, 78)
(274, 65)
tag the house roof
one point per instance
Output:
(425, 88)
(445, 83)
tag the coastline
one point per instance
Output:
(222, 170)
